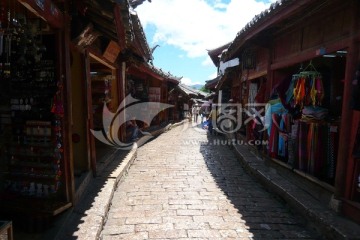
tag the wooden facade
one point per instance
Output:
(286, 40)
(35, 149)
(89, 57)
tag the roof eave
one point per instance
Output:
(276, 13)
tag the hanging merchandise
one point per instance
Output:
(58, 110)
(57, 105)
(33, 133)
(308, 87)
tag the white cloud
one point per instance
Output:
(195, 25)
(187, 81)
(212, 76)
(207, 62)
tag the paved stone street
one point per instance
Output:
(183, 187)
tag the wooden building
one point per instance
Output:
(313, 68)
(63, 63)
(183, 98)
(35, 149)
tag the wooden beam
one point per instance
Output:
(120, 28)
(344, 151)
(103, 25)
(64, 54)
(310, 54)
(95, 54)
(145, 70)
(90, 117)
(46, 10)
(285, 13)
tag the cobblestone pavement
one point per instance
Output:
(182, 187)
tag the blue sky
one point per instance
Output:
(186, 29)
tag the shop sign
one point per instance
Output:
(231, 63)
(112, 51)
(86, 37)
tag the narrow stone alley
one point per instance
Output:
(183, 187)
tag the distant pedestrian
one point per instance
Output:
(195, 112)
(133, 129)
(201, 113)
(212, 118)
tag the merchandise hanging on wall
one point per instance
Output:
(308, 142)
(307, 88)
(31, 119)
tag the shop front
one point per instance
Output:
(97, 72)
(252, 82)
(34, 120)
(312, 76)
(149, 84)
(311, 86)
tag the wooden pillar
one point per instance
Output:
(346, 116)
(121, 88)
(270, 75)
(90, 121)
(66, 75)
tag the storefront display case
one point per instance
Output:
(32, 128)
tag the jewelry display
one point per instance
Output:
(32, 93)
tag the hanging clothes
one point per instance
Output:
(275, 106)
(290, 91)
(308, 87)
(316, 149)
(283, 136)
(299, 91)
(302, 162)
(272, 118)
(274, 137)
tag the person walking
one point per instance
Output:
(196, 113)
(211, 119)
(193, 110)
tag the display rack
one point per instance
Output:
(31, 137)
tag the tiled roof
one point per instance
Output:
(140, 36)
(135, 3)
(211, 84)
(214, 53)
(260, 19)
(166, 75)
(139, 43)
(190, 91)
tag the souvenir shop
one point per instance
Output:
(33, 126)
(311, 125)
(146, 89)
(100, 77)
(310, 77)
(303, 120)
(253, 90)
